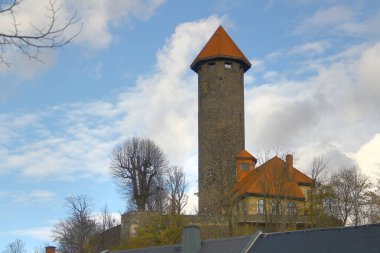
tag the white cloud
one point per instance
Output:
(369, 26)
(343, 20)
(192, 202)
(38, 233)
(162, 106)
(334, 112)
(95, 32)
(23, 66)
(311, 48)
(368, 157)
(35, 196)
(327, 18)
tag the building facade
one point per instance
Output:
(274, 193)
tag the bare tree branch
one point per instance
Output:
(17, 246)
(348, 188)
(317, 169)
(176, 183)
(137, 165)
(73, 233)
(50, 36)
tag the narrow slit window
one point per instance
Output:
(211, 65)
(228, 65)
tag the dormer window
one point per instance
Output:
(244, 166)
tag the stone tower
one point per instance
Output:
(220, 67)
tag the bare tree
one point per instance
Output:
(348, 188)
(317, 169)
(372, 208)
(317, 172)
(72, 233)
(159, 194)
(39, 249)
(136, 164)
(107, 219)
(52, 35)
(176, 184)
(265, 155)
(17, 246)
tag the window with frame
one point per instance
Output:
(260, 206)
(244, 166)
(292, 208)
(228, 65)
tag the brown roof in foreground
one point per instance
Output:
(266, 179)
(221, 45)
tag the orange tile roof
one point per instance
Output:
(220, 45)
(245, 155)
(267, 178)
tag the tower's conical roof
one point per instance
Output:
(220, 46)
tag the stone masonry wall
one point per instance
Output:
(210, 226)
(220, 129)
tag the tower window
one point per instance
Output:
(211, 65)
(244, 166)
(228, 65)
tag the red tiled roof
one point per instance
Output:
(246, 155)
(273, 178)
(221, 45)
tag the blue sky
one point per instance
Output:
(314, 89)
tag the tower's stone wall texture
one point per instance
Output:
(220, 129)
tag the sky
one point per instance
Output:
(313, 89)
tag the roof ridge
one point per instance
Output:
(322, 229)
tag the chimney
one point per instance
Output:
(289, 161)
(191, 240)
(50, 249)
